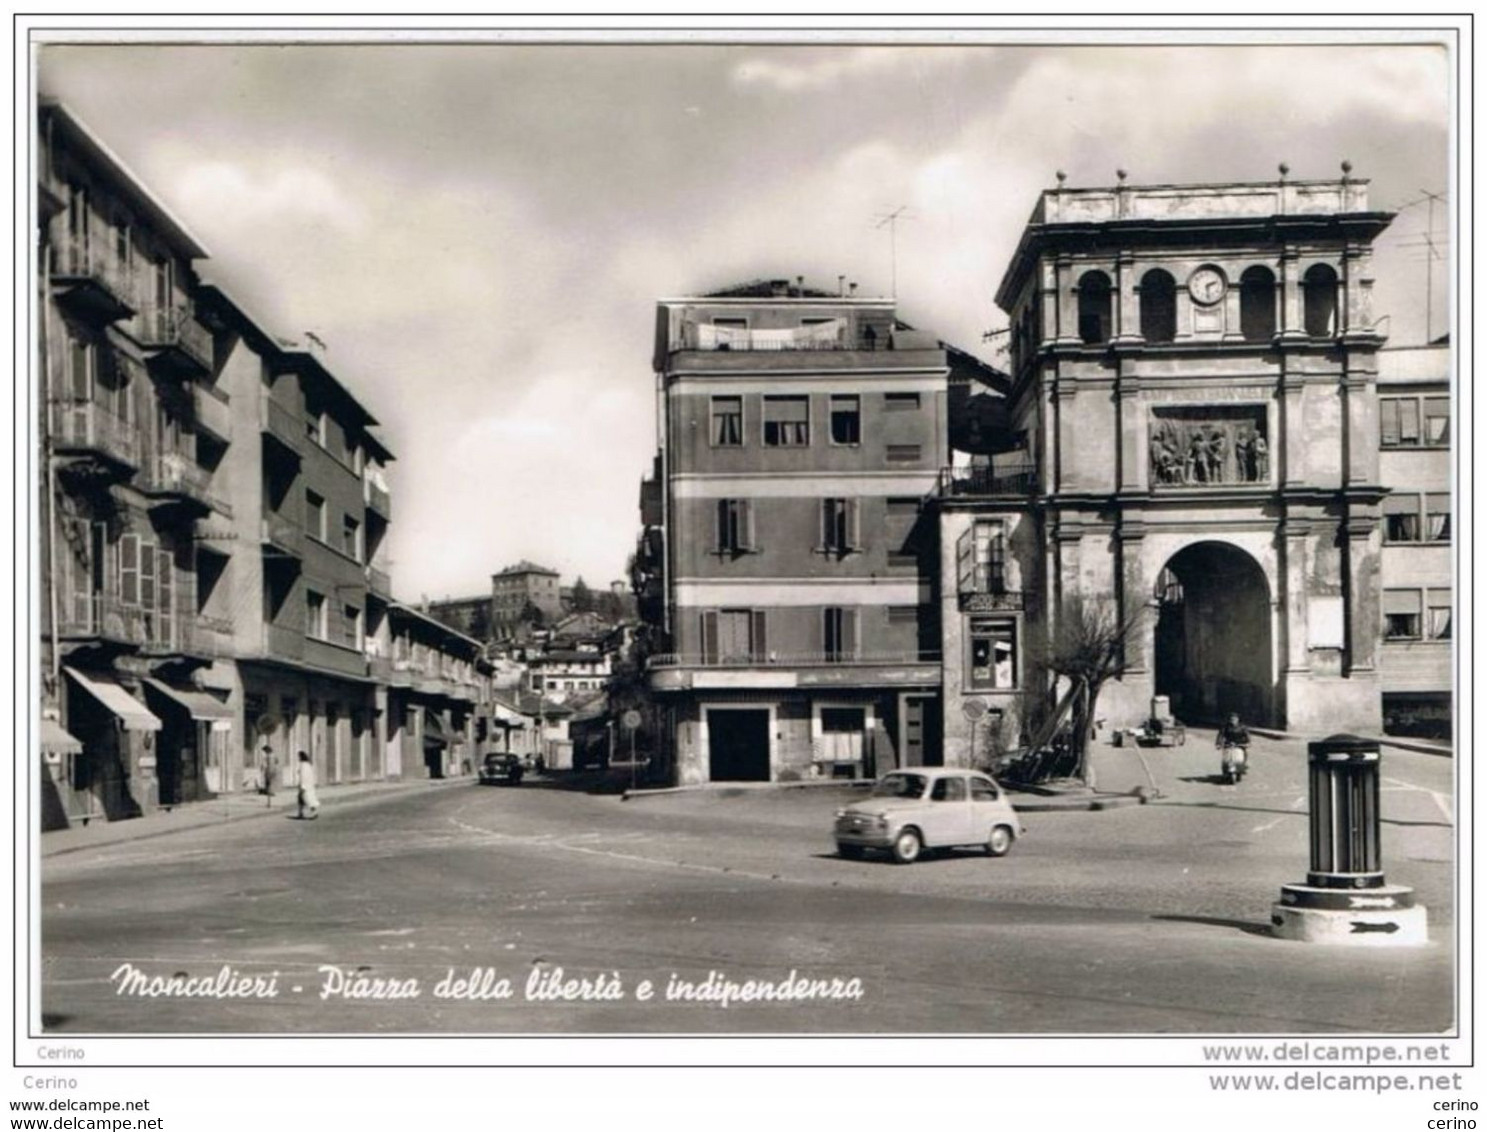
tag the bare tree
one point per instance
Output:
(1088, 649)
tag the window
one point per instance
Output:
(314, 515)
(1319, 299)
(787, 422)
(846, 419)
(1094, 307)
(1401, 615)
(901, 402)
(1158, 306)
(80, 371)
(948, 790)
(733, 636)
(735, 526)
(315, 625)
(993, 653)
(1402, 518)
(839, 526)
(1399, 422)
(899, 531)
(1257, 304)
(727, 422)
(351, 537)
(731, 332)
(351, 625)
(1438, 615)
(1437, 421)
(981, 556)
(1437, 518)
(983, 790)
(839, 633)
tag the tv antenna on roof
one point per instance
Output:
(890, 221)
(1431, 254)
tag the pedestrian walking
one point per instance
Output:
(304, 778)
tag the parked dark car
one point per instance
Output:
(499, 770)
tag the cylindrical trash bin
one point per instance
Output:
(1344, 774)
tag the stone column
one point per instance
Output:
(1291, 576)
(1361, 579)
(1067, 536)
(1291, 321)
(1048, 307)
(1135, 595)
(1127, 312)
(1067, 301)
(1289, 448)
(1360, 421)
(1133, 472)
(1065, 466)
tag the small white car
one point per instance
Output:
(922, 808)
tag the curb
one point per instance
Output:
(1043, 804)
(231, 819)
(742, 787)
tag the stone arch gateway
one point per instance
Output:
(1213, 650)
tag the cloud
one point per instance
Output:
(805, 69)
(289, 194)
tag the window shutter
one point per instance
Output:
(826, 509)
(710, 637)
(1389, 422)
(167, 598)
(721, 541)
(965, 560)
(746, 524)
(854, 525)
(996, 557)
(849, 633)
(759, 645)
(129, 569)
(147, 577)
(80, 571)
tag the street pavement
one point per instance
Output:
(1145, 919)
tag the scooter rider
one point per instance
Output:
(1233, 741)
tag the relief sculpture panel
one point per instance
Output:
(1199, 445)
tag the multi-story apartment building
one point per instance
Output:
(786, 550)
(439, 695)
(526, 583)
(1415, 664)
(298, 575)
(470, 615)
(134, 436)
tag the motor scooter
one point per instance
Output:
(1234, 762)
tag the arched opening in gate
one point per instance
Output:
(1213, 650)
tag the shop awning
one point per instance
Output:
(56, 740)
(133, 714)
(201, 705)
(433, 730)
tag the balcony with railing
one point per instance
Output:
(379, 583)
(212, 635)
(174, 479)
(91, 281)
(86, 429)
(102, 617)
(379, 499)
(907, 668)
(982, 482)
(177, 343)
(284, 426)
(213, 410)
(282, 536)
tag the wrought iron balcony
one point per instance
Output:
(90, 280)
(83, 428)
(178, 343)
(983, 482)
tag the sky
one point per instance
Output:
(479, 231)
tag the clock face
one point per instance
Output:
(1206, 286)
